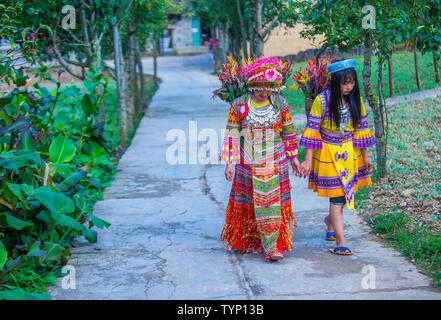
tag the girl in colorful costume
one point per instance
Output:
(259, 140)
(336, 137)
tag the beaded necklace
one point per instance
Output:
(261, 117)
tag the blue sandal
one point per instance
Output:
(330, 236)
(345, 251)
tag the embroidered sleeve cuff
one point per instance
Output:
(363, 139)
(311, 139)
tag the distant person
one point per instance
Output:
(336, 139)
(211, 44)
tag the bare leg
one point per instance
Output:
(328, 222)
(337, 221)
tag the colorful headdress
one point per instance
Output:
(341, 65)
(264, 73)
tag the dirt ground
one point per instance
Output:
(33, 78)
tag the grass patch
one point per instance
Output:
(404, 77)
(405, 207)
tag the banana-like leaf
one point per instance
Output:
(12, 264)
(18, 189)
(13, 222)
(21, 159)
(35, 251)
(3, 257)
(57, 203)
(72, 180)
(62, 168)
(69, 222)
(4, 115)
(99, 223)
(20, 294)
(62, 149)
(27, 141)
(54, 252)
(90, 235)
(87, 105)
(20, 124)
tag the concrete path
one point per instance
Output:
(164, 242)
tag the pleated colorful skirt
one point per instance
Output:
(241, 231)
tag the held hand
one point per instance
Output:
(229, 172)
(369, 165)
(366, 159)
(305, 169)
(295, 166)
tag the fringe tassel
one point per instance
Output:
(240, 232)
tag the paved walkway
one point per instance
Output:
(164, 242)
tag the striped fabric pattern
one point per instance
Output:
(259, 211)
(338, 169)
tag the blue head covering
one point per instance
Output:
(341, 65)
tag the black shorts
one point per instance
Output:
(339, 201)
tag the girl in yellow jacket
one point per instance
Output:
(336, 137)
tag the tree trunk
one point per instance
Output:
(235, 43)
(417, 67)
(225, 44)
(242, 31)
(133, 76)
(121, 88)
(141, 80)
(436, 67)
(262, 33)
(99, 89)
(383, 116)
(252, 33)
(380, 136)
(391, 74)
(155, 59)
(259, 48)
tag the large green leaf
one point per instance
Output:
(19, 189)
(54, 251)
(67, 221)
(99, 223)
(20, 124)
(27, 141)
(72, 180)
(12, 264)
(90, 85)
(8, 165)
(5, 116)
(57, 203)
(13, 222)
(35, 251)
(3, 257)
(87, 105)
(62, 149)
(20, 294)
(90, 235)
(63, 169)
(22, 158)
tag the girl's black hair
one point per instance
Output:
(353, 98)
